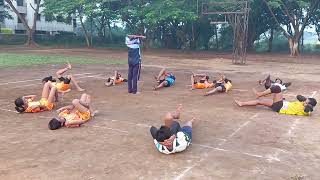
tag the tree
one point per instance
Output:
(79, 8)
(30, 30)
(4, 12)
(296, 15)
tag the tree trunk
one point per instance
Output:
(294, 47)
(30, 31)
(217, 38)
(110, 32)
(30, 39)
(85, 32)
(270, 41)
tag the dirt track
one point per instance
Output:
(229, 143)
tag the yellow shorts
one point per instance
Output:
(62, 86)
(44, 103)
(69, 116)
(203, 85)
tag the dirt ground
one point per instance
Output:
(229, 143)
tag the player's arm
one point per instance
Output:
(75, 122)
(65, 107)
(29, 97)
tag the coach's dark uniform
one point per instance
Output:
(134, 62)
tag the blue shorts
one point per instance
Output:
(170, 80)
(188, 131)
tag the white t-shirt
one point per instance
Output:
(283, 88)
(181, 143)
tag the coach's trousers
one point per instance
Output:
(133, 77)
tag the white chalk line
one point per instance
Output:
(268, 158)
(183, 173)
(46, 117)
(22, 81)
(239, 128)
(36, 84)
(293, 127)
(314, 93)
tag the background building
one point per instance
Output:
(44, 24)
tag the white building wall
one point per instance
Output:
(42, 25)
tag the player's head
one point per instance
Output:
(55, 124)
(163, 134)
(207, 78)
(47, 79)
(20, 104)
(309, 105)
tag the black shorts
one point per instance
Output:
(220, 85)
(167, 85)
(65, 80)
(277, 106)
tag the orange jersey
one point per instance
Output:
(203, 85)
(119, 80)
(71, 117)
(228, 86)
(61, 86)
(39, 106)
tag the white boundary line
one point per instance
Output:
(22, 81)
(183, 173)
(35, 84)
(314, 93)
(269, 159)
(239, 128)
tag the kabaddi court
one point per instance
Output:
(228, 143)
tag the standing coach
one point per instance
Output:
(134, 61)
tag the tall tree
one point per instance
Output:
(4, 12)
(296, 16)
(30, 29)
(79, 8)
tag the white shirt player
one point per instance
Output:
(180, 143)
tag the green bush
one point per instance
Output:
(6, 31)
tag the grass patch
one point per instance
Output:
(12, 60)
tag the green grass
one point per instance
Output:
(12, 60)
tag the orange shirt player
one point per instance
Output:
(28, 104)
(79, 112)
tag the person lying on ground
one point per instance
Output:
(116, 79)
(79, 112)
(64, 84)
(222, 85)
(200, 81)
(28, 104)
(164, 79)
(267, 82)
(171, 138)
(303, 106)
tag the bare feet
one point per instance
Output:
(194, 121)
(207, 94)
(69, 66)
(239, 103)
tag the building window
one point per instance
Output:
(1, 2)
(39, 17)
(20, 2)
(23, 16)
(74, 22)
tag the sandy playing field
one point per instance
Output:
(229, 143)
